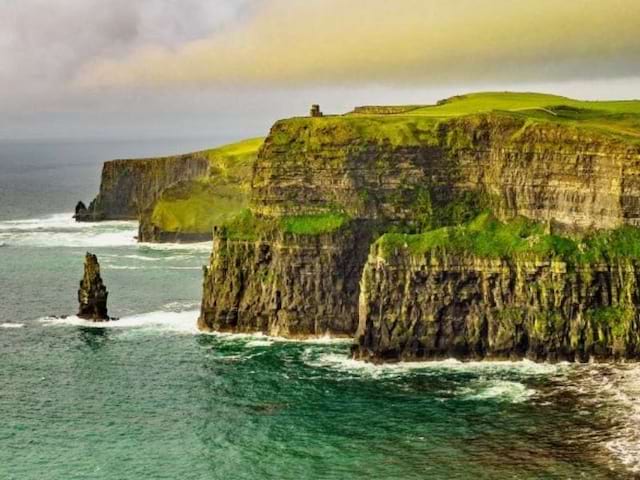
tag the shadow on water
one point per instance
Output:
(94, 338)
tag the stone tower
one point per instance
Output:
(315, 111)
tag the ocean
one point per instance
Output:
(149, 397)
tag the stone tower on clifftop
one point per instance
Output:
(315, 111)
(92, 294)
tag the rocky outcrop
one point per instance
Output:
(440, 305)
(92, 294)
(286, 285)
(127, 187)
(81, 213)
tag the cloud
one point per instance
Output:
(328, 42)
(44, 43)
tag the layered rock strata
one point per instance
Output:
(285, 285)
(128, 187)
(377, 167)
(415, 173)
(92, 295)
(439, 306)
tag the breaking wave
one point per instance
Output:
(61, 230)
(180, 322)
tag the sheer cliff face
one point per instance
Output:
(438, 306)
(287, 285)
(393, 170)
(129, 186)
(375, 167)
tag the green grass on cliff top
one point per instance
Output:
(246, 226)
(621, 118)
(487, 237)
(233, 158)
(516, 102)
(197, 206)
(314, 224)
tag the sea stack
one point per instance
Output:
(92, 294)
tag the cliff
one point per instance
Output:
(189, 209)
(534, 301)
(285, 284)
(397, 168)
(127, 187)
(570, 167)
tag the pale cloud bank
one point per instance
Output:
(113, 68)
(402, 42)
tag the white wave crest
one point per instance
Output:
(626, 395)
(196, 247)
(61, 230)
(349, 365)
(132, 267)
(260, 343)
(504, 390)
(180, 322)
(180, 306)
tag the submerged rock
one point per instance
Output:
(92, 294)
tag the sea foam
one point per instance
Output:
(179, 322)
(61, 230)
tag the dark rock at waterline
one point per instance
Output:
(87, 214)
(92, 294)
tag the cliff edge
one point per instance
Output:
(327, 193)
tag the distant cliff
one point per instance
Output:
(128, 187)
(327, 192)
(188, 210)
(178, 198)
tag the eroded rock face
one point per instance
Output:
(288, 285)
(128, 187)
(92, 294)
(573, 178)
(441, 306)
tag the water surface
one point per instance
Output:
(149, 397)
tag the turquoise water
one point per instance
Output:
(148, 397)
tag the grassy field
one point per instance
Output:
(616, 117)
(314, 224)
(197, 206)
(246, 226)
(234, 159)
(515, 102)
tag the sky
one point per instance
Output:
(230, 68)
